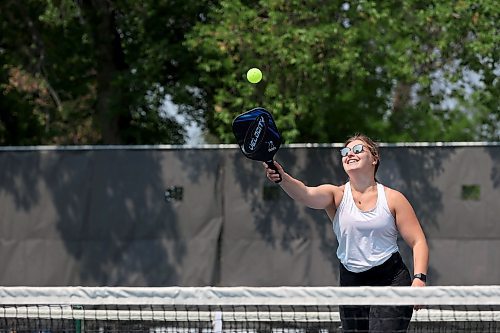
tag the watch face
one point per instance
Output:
(420, 276)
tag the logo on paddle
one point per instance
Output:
(255, 135)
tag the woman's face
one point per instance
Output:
(356, 156)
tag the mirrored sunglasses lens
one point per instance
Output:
(357, 149)
(344, 151)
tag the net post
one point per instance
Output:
(79, 324)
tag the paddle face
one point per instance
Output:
(257, 135)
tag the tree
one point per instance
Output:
(85, 72)
(334, 67)
(95, 71)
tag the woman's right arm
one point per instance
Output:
(318, 197)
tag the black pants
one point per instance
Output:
(377, 319)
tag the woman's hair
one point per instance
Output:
(369, 143)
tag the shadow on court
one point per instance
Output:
(296, 243)
(123, 237)
(494, 153)
(99, 217)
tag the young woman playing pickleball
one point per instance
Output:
(367, 217)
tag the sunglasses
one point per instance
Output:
(355, 149)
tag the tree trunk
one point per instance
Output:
(110, 110)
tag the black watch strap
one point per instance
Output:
(420, 276)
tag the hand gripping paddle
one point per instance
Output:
(257, 135)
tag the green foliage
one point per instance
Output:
(102, 70)
(91, 72)
(332, 68)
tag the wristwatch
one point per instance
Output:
(420, 276)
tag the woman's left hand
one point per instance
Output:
(417, 283)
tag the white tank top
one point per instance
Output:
(366, 238)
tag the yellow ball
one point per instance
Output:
(254, 75)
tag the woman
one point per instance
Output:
(367, 218)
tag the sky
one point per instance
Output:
(195, 134)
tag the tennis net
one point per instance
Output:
(238, 309)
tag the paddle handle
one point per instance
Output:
(271, 165)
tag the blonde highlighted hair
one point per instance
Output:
(369, 143)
